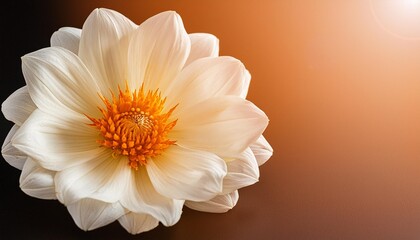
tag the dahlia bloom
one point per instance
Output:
(130, 122)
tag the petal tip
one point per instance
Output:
(171, 14)
(103, 11)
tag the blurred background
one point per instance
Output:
(340, 82)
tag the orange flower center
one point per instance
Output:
(134, 125)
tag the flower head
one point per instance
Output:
(130, 122)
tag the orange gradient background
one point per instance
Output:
(340, 82)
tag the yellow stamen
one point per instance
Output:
(134, 125)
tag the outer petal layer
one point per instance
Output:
(202, 45)
(55, 142)
(103, 178)
(68, 38)
(219, 204)
(37, 181)
(181, 173)
(90, 214)
(11, 154)
(245, 85)
(59, 82)
(223, 125)
(158, 51)
(18, 106)
(142, 198)
(242, 172)
(103, 47)
(262, 150)
(136, 223)
(206, 78)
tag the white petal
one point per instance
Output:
(136, 223)
(219, 204)
(245, 85)
(104, 178)
(103, 47)
(68, 38)
(181, 173)
(18, 106)
(59, 83)
(158, 51)
(56, 143)
(37, 181)
(223, 125)
(202, 45)
(242, 172)
(262, 150)
(206, 78)
(12, 155)
(89, 214)
(142, 198)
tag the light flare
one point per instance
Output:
(411, 3)
(400, 18)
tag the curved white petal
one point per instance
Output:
(262, 150)
(89, 214)
(59, 82)
(223, 125)
(37, 181)
(103, 47)
(242, 172)
(12, 155)
(56, 142)
(141, 197)
(158, 51)
(68, 38)
(104, 178)
(18, 106)
(219, 204)
(245, 85)
(202, 45)
(136, 223)
(206, 78)
(181, 173)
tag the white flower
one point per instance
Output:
(125, 122)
